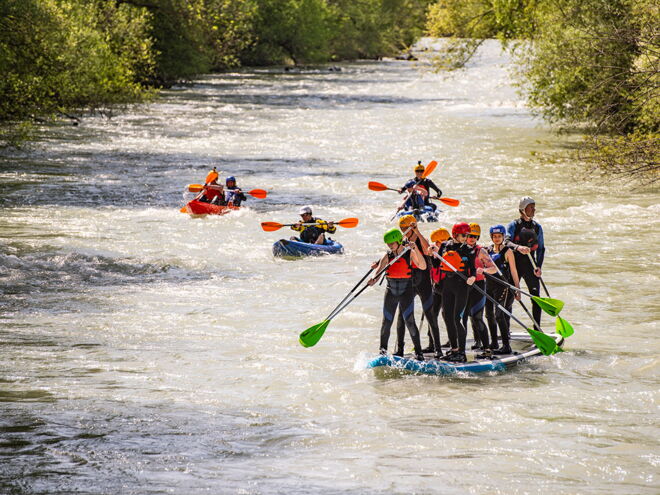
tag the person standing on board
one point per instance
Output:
(524, 237)
(421, 280)
(233, 194)
(455, 288)
(400, 293)
(312, 234)
(426, 183)
(505, 261)
(438, 236)
(474, 309)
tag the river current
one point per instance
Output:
(147, 352)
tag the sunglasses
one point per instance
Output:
(472, 236)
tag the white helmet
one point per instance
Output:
(305, 209)
(525, 202)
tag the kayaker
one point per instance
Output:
(455, 289)
(212, 192)
(233, 194)
(415, 201)
(426, 183)
(438, 236)
(474, 308)
(400, 293)
(504, 259)
(313, 234)
(422, 287)
(525, 236)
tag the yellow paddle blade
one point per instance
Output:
(271, 226)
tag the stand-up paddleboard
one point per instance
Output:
(521, 344)
(285, 248)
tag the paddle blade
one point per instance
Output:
(377, 186)
(551, 306)
(195, 187)
(544, 343)
(348, 223)
(450, 201)
(313, 334)
(184, 210)
(429, 169)
(563, 328)
(271, 226)
(258, 193)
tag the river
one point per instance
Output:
(147, 352)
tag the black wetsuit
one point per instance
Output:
(423, 288)
(429, 184)
(399, 294)
(523, 265)
(455, 293)
(503, 295)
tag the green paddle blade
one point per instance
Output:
(313, 334)
(563, 328)
(551, 306)
(544, 343)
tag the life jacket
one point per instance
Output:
(462, 260)
(211, 192)
(478, 263)
(401, 268)
(525, 234)
(500, 261)
(455, 260)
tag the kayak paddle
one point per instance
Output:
(257, 193)
(377, 186)
(313, 334)
(448, 201)
(547, 304)
(546, 344)
(347, 223)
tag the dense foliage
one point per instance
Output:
(67, 56)
(588, 63)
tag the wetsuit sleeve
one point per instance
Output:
(432, 185)
(540, 251)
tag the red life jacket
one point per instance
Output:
(401, 268)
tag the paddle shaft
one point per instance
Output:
(483, 292)
(337, 310)
(352, 290)
(531, 258)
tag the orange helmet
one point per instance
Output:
(407, 221)
(212, 176)
(475, 229)
(440, 235)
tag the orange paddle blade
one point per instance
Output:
(377, 186)
(184, 210)
(429, 169)
(271, 226)
(450, 201)
(195, 187)
(348, 223)
(258, 193)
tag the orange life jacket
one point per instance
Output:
(401, 268)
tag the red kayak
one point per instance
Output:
(199, 208)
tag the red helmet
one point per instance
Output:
(460, 228)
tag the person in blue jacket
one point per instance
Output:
(524, 237)
(233, 193)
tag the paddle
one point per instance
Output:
(562, 327)
(257, 193)
(427, 171)
(543, 342)
(347, 223)
(313, 334)
(547, 304)
(377, 186)
(447, 201)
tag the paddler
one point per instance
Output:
(422, 287)
(505, 261)
(212, 192)
(438, 236)
(426, 183)
(416, 195)
(455, 288)
(233, 194)
(525, 237)
(315, 233)
(400, 293)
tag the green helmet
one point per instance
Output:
(393, 235)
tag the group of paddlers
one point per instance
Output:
(215, 193)
(447, 271)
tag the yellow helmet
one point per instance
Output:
(440, 235)
(475, 229)
(419, 167)
(407, 221)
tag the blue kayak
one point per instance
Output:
(427, 214)
(285, 248)
(523, 349)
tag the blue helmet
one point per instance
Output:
(497, 229)
(229, 179)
